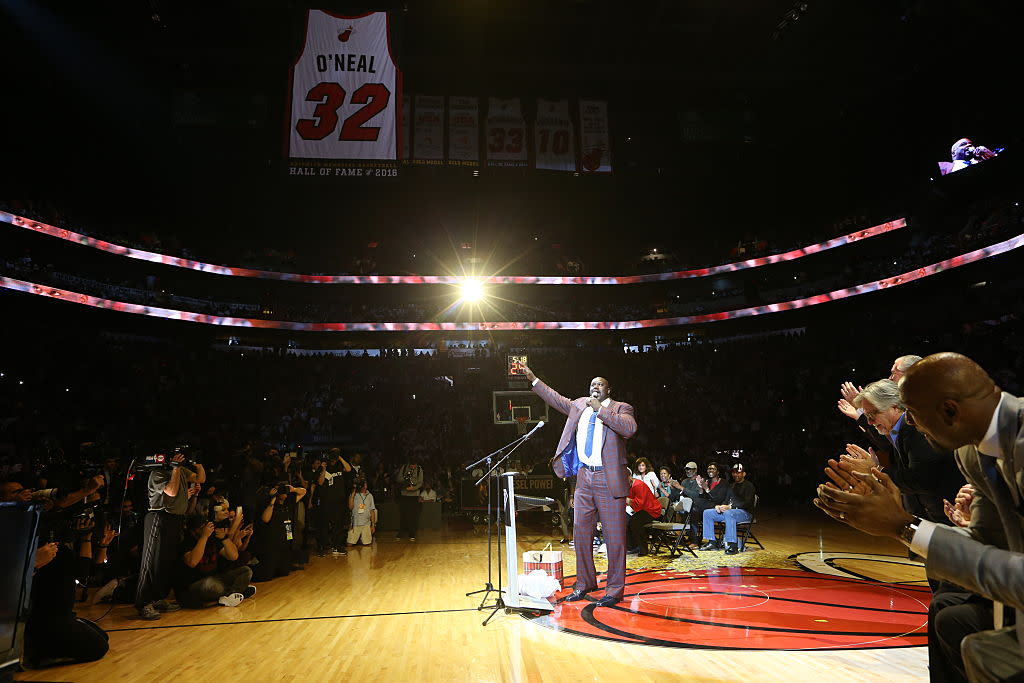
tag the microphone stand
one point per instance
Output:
(489, 587)
(499, 602)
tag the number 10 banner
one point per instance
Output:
(346, 95)
(553, 136)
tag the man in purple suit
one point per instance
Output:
(593, 449)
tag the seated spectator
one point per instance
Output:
(364, 514)
(203, 577)
(646, 509)
(736, 510)
(713, 491)
(688, 489)
(645, 472)
(428, 494)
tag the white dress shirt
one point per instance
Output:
(581, 437)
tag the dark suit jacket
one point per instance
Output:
(619, 425)
(923, 473)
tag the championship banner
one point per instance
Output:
(428, 131)
(406, 128)
(463, 131)
(553, 137)
(595, 147)
(346, 93)
(506, 133)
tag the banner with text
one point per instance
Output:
(428, 131)
(506, 133)
(595, 142)
(346, 94)
(463, 131)
(553, 137)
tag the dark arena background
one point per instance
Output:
(315, 249)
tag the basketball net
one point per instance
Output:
(521, 426)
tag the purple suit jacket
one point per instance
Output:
(619, 425)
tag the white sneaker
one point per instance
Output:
(233, 600)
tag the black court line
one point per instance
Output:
(271, 621)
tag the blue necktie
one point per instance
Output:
(588, 446)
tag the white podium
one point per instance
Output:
(510, 502)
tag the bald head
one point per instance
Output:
(950, 399)
(600, 388)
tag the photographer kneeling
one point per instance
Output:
(54, 634)
(202, 578)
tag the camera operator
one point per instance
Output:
(168, 504)
(53, 632)
(273, 537)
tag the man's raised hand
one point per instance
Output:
(529, 373)
(849, 391)
(847, 409)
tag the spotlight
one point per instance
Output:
(471, 290)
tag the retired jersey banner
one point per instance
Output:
(506, 133)
(595, 147)
(346, 95)
(463, 131)
(428, 131)
(553, 137)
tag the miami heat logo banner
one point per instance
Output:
(595, 146)
(346, 95)
(463, 131)
(428, 131)
(506, 133)
(553, 137)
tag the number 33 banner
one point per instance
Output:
(346, 97)
(506, 133)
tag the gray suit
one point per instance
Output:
(988, 558)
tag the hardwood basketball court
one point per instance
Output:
(398, 611)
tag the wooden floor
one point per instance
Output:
(397, 611)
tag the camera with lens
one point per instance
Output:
(165, 459)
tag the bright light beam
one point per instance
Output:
(471, 291)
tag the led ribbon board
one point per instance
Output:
(836, 295)
(168, 260)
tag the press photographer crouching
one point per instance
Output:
(168, 488)
(54, 634)
(208, 573)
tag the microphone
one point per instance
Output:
(536, 427)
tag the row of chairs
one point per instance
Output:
(666, 533)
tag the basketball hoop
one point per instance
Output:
(521, 426)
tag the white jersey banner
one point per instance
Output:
(595, 147)
(428, 130)
(463, 131)
(345, 96)
(506, 133)
(553, 137)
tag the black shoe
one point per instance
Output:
(732, 549)
(711, 545)
(607, 601)
(576, 595)
(564, 540)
